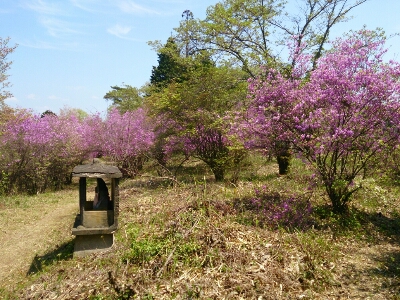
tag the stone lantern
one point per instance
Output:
(94, 229)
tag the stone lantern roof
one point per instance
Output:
(96, 170)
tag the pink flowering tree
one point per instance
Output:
(66, 147)
(127, 139)
(39, 152)
(338, 117)
(14, 153)
(92, 128)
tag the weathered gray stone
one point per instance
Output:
(96, 171)
(85, 245)
(94, 230)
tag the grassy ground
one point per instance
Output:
(197, 239)
(30, 228)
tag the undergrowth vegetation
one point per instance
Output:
(192, 238)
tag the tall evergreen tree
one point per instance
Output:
(170, 66)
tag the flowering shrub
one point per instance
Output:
(203, 140)
(92, 130)
(277, 210)
(39, 151)
(15, 154)
(127, 139)
(211, 146)
(192, 112)
(339, 116)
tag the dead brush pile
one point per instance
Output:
(190, 242)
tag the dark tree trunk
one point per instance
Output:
(283, 164)
(283, 156)
(219, 172)
(339, 198)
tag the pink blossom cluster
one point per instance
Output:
(37, 152)
(40, 151)
(128, 138)
(338, 116)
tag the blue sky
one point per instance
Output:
(71, 51)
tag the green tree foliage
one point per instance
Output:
(187, 15)
(175, 69)
(77, 112)
(246, 32)
(47, 113)
(126, 98)
(6, 112)
(171, 66)
(236, 30)
(5, 50)
(192, 112)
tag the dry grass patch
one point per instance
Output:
(192, 241)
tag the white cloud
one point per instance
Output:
(119, 31)
(42, 7)
(130, 7)
(91, 6)
(49, 13)
(72, 46)
(31, 97)
(83, 4)
(56, 27)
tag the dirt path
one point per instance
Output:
(34, 230)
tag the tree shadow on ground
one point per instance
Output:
(388, 226)
(389, 265)
(63, 252)
(360, 227)
(388, 261)
(389, 269)
(376, 229)
(373, 226)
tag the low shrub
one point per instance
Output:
(277, 210)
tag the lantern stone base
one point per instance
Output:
(89, 244)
